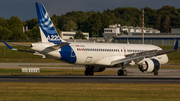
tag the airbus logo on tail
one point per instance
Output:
(53, 38)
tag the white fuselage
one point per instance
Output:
(96, 53)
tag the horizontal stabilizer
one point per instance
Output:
(8, 45)
(59, 45)
(11, 48)
(20, 44)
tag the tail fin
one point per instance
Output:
(47, 29)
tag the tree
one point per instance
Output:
(69, 25)
(3, 22)
(34, 33)
(31, 23)
(5, 33)
(166, 25)
(158, 23)
(16, 25)
(79, 35)
(150, 17)
(95, 24)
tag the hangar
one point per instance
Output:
(68, 35)
(134, 36)
(161, 39)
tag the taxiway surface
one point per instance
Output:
(134, 76)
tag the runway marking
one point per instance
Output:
(174, 71)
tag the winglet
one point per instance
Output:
(9, 46)
(176, 45)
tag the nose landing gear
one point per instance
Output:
(89, 70)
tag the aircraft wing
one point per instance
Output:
(137, 57)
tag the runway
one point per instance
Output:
(134, 76)
(90, 79)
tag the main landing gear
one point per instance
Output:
(89, 70)
(122, 72)
(155, 73)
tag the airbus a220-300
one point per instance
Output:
(96, 56)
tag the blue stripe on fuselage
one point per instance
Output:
(68, 54)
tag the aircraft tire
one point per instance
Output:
(155, 73)
(86, 72)
(91, 73)
(124, 73)
(119, 72)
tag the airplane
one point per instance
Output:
(95, 56)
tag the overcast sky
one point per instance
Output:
(25, 9)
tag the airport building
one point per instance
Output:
(70, 35)
(134, 35)
(161, 39)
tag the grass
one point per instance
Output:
(69, 65)
(88, 92)
(171, 66)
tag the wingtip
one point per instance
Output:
(176, 45)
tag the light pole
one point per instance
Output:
(142, 25)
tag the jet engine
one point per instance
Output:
(150, 65)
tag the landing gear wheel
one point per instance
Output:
(86, 72)
(89, 72)
(155, 73)
(119, 72)
(122, 73)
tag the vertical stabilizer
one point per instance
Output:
(47, 29)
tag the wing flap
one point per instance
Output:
(135, 57)
(161, 52)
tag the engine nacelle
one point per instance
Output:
(101, 69)
(151, 65)
(95, 68)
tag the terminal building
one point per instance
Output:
(134, 35)
(70, 35)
